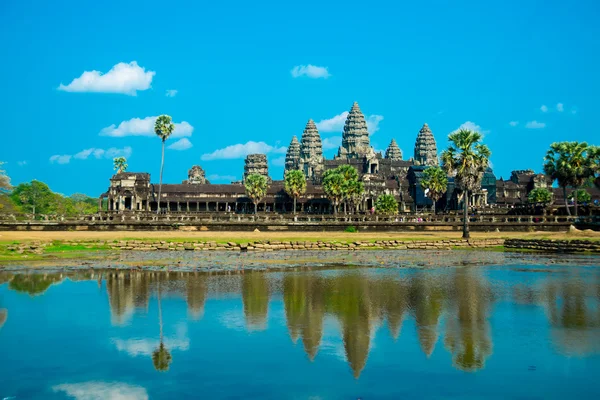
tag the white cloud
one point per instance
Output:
(60, 159)
(336, 123)
(22, 163)
(242, 150)
(373, 123)
(96, 390)
(472, 126)
(171, 93)
(221, 178)
(535, 125)
(513, 123)
(95, 152)
(145, 347)
(122, 78)
(311, 71)
(181, 144)
(144, 127)
(278, 162)
(560, 107)
(332, 143)
(544, 108)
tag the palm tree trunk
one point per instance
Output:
(466, 216)
(433, 206)
(566, 201)
(294, 205)
(256, 208)
(162, 165)
(575, 199)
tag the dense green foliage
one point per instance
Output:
(294, 185)
(163, 128)
(256, 188)
(435, 181)
(343, 185)
(333, 186)
(386, 204)
(539, 195)
(36, 198)
(580, 195)
(466, 159)
(570, 164)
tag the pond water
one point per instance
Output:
(459, 332)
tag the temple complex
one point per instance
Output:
(292, 156)
(393, 152)
(389, 174)
(256, 164)
(425, 148)
(311, 153)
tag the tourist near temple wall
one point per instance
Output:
(131, 192)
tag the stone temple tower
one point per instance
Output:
(355, 137)
(292, 157)
(425, 148)
(311, 152)
(256, 164)
(393, 152)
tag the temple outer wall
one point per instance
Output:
(274, 226)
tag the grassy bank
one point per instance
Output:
(24, 247)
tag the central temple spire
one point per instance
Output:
(355, 137)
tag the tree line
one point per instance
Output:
(36, 198)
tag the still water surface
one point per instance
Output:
(472, 332)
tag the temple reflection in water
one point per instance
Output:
(451, 309)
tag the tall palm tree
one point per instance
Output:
(256, 188)
(120, 164)
(594, 157)
(294, 184)
(435, 181)
(333, 186)
(161, 357)
(570, 165)
(466, 159)
(163, 127)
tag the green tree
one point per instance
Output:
(161, 357)
(594, 161)
(120, 164)
(386, 204)
(353, 188)
(35, 197)
(83, 204)
(353, 191)
(163, 127)
(294, 185)
(580, 196)
(256, 188)
(570, 165)
(539, 196)
(333, 186)
(466, 159)
(435, 181)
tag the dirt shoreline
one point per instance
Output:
(235, 262)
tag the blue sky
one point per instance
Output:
(484, 64)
